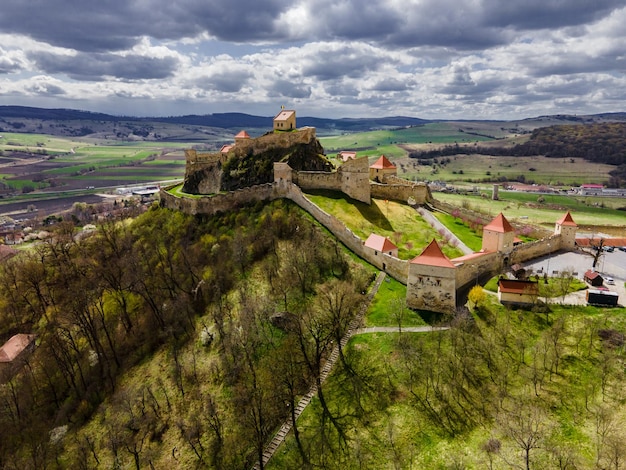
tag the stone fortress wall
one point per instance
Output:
(429, 287)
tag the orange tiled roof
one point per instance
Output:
(383, 163)
(226, 148)
(499, 224)
(605, 242)
(433, 256)
(567, 220)
(242, 135)
(380, 243)
(511, 286)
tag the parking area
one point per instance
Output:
(610, 264)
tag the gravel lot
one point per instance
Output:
(609, 265)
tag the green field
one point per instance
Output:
(36, 161)
(387, 142)
(471, 397)
(401, 223)
(524, 208)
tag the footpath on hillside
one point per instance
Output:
(280, 436)
(354, 329)
(434, 222)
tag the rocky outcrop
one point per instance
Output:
(251, 162)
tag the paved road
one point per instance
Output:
(405, 329)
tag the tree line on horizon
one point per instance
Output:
(598, 143)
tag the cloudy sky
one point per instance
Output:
(470, 59)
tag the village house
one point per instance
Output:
(517, 292)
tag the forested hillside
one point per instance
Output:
(600, 143)
(170, 341)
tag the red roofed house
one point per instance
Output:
(498, 235)
(381, 244)
(13, 354)
(516, 292)
(382, 168)
(226, 148)
(285, 120)
(431, 283)
(593, 278)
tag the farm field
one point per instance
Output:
(461, 169)
(586, 210)
(35, 162)
(388, 142)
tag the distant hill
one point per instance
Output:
(13, 118)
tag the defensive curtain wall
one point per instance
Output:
(213, 204)
(433, 287)
(351, 178)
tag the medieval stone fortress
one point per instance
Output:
(286, 161)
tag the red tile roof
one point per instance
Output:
(512, 286)
(433, 256)
(383, 163)
(226, 148)
(499, 224)
(567, 220)
(14, 346)
(470, 256)
(591, 274)
(242, 135)
(605, 241)
(380, 243)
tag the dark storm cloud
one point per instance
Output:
(392, 84)
(109, 25)
(540, 14)
(343, 62)
(46, 89)
(226, 81)
(289, 89)
(97, 66)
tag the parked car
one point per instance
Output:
(622, 248)
(610, 281)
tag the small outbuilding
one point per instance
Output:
(517, 292)
(381, 244)
(602, 297)
(593, 278)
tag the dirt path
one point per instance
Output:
(354, 329)
(434, 222)
(280, 436)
